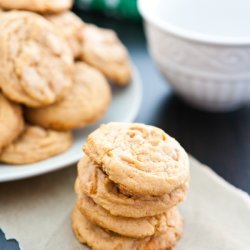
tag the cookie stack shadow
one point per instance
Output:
(129, 182)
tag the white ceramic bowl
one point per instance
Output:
(203, 49)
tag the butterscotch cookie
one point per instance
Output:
(100, 239)
(95, 184)
(42, 6)
(36, 62)
(36, 144)
(11, 121)
(103, 50)
(85, 103)
(130, 227)
(71, 27)
(142, 159)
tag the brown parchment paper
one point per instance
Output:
(37, 212)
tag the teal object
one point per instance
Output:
(117, 8)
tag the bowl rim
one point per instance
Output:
(143, 6)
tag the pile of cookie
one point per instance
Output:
(129, 183)
(54, 77)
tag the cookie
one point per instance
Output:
(36, 63)
(130, 227)
(71, 27)
(140, 158)
(85, 103)
(42, 6)
(11, 121)
(100, 239)
(36, 144)
(95, 184)
(103, 50)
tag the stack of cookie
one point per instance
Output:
(54, 73)
(129, 183)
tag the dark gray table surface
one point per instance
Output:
(221, 141)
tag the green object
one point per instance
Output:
(118, 8)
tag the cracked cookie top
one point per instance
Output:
(71, 27)
(103, 50)
(36, 62)
(142, 159)
(85, 103)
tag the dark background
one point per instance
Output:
(221, 140)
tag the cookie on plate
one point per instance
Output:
(36, 63)
(103, 50)
(11, 121)
(36, 144)
(99, 239)
(130, 227)
(141, 159)
(72, 27)
(42, 6)
(95, 184)
(84, 104)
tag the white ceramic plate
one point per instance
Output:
(124, 108)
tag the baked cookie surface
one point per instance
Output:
(86, 102)
(42, 6)
(102, 49)
(71, 27)
(130, 227)
(36, 63)
(100, 239)
(142, 159)
(95, 184)
(11, 121)
(36, 144)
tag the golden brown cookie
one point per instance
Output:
(103, 50)
(100, 239)
(42, 6)
(130, 227)
(85, 103)
(11, 121)
(71, 27)
(142, 159)
(36, 62)
(95, 184)
(36, 144)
